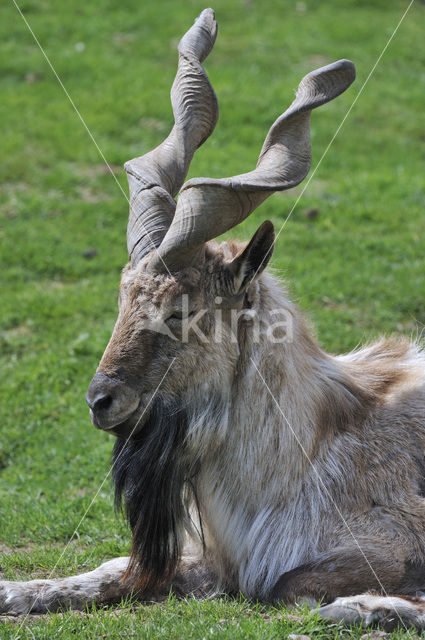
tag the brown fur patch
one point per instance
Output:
(354, 390)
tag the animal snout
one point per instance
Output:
(111, 401)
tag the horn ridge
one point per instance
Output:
(208, 207)
(162, 171)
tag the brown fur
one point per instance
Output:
(309, 473)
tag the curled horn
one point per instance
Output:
(156, 177)
(208, 207)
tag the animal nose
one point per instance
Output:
(101, 393)
(111, 401)
(100, 402)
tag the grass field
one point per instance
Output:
(357, 267)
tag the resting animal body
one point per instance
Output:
(247, 458)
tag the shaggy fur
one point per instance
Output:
(308, 469)
(302, 473)
(152, 473)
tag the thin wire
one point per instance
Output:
(83, 122)
(313, 173)
(338, 510)
(281, 229)
(96, 494)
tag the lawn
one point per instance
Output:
(352, 250)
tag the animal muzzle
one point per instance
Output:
(112, 402)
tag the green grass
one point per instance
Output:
(357, 268)
(189, 620)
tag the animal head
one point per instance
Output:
(180, 290)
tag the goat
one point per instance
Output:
(248, 459)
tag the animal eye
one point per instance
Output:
(179, 315)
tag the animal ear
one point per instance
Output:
(254, 258)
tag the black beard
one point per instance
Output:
(151, 473)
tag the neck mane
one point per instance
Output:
(297, 380)
(229, 441)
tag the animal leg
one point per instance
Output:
(103, 585)
(387, 611)
(335, 576)
(342, 572)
